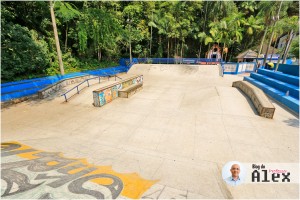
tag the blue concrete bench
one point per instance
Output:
(282, 86)
(288, 101)
(280, 76)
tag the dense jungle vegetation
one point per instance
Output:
(95, 34)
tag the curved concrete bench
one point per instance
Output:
(261, 102)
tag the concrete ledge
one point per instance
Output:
(129, 91)
(108, 93)
(47, 91)
(261, 102)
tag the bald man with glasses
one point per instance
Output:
(234, 179)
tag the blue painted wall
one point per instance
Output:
(289, 69)
(18, 89)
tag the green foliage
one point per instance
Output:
(95, 34)
(23, 53)
(66, 11)
(294, 50)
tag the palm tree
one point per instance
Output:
(252, 25)
(291, 25)
(276, 18)
(61, 65)
(267, 10)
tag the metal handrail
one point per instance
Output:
(87, 80)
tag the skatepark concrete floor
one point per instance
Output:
(176, 133)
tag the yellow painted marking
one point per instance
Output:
(52, 163)
(30, 155)
(74, 171)
(103, 181)
(134, 185)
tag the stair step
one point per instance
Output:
(282, 86)
(294, 80)
(289, 101)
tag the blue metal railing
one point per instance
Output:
(88, 84)
(171, 60)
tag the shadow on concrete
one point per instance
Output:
(32, 100)
(292, 122)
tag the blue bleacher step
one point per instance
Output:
(282, 86)
(289, 101)
(294, 80)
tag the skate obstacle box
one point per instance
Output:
(261, 102)
(123, 88)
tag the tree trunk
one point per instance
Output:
(151, 36)
(278, 61)
(270, 41)
(288, 45)
(181, 51)
(171, 45)
(273, 50)
(61, 65)
(269, 45)
(200, 50)
(262, 43)
(151, 42)
(208, 51)
(223, 50)
(130, 51)
(66, 41)
(277, 64)
(168, 47)
(175, 48)
(99, 54)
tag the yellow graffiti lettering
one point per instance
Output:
(133, 185)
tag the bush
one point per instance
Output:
(23, 53)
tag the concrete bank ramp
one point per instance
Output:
(192, 88)
(183, 71)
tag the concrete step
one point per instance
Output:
(288, 101)
(280, 76)
(282, 86)
(129, 91)
(261, 102)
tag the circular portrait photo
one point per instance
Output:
(234, 173)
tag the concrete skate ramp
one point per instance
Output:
(192, 88)
(179, 131)
(182, 71)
